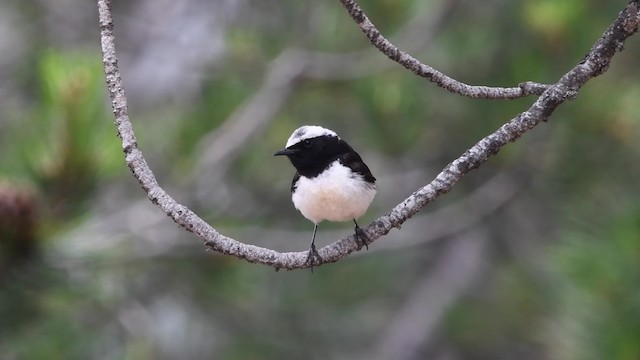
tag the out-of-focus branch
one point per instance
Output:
(417, 34)
(221, 146)
(595, 63)
(431, 74)
(415, 322)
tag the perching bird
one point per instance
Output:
(331, 182)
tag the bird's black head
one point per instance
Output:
(312, 149)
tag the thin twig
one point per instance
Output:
(595, 63)
(431, 74)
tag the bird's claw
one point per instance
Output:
(313, 258)
(361, 238)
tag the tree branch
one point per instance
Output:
(594, 64)
(431, 74)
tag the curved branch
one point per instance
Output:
(594, 64)
(431, 74)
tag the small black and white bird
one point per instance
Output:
(331, 182)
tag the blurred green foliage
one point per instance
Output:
(599, 305)
(64, 146)
(570, 294)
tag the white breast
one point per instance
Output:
(337, 194)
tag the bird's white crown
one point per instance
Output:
(308, 132)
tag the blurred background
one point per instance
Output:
(536, 255)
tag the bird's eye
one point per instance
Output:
(307, 143)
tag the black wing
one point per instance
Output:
(294, 183)
(353, 161)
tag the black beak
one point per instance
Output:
(286, 152)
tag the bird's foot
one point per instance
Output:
(313, 258)
(361, 238)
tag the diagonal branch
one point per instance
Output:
(220, 147)
(431, 74)
(595, 63)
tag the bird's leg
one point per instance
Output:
(313, 253)
(361, 238)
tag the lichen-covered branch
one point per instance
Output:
(595, 63)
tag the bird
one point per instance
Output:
(331, 181)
